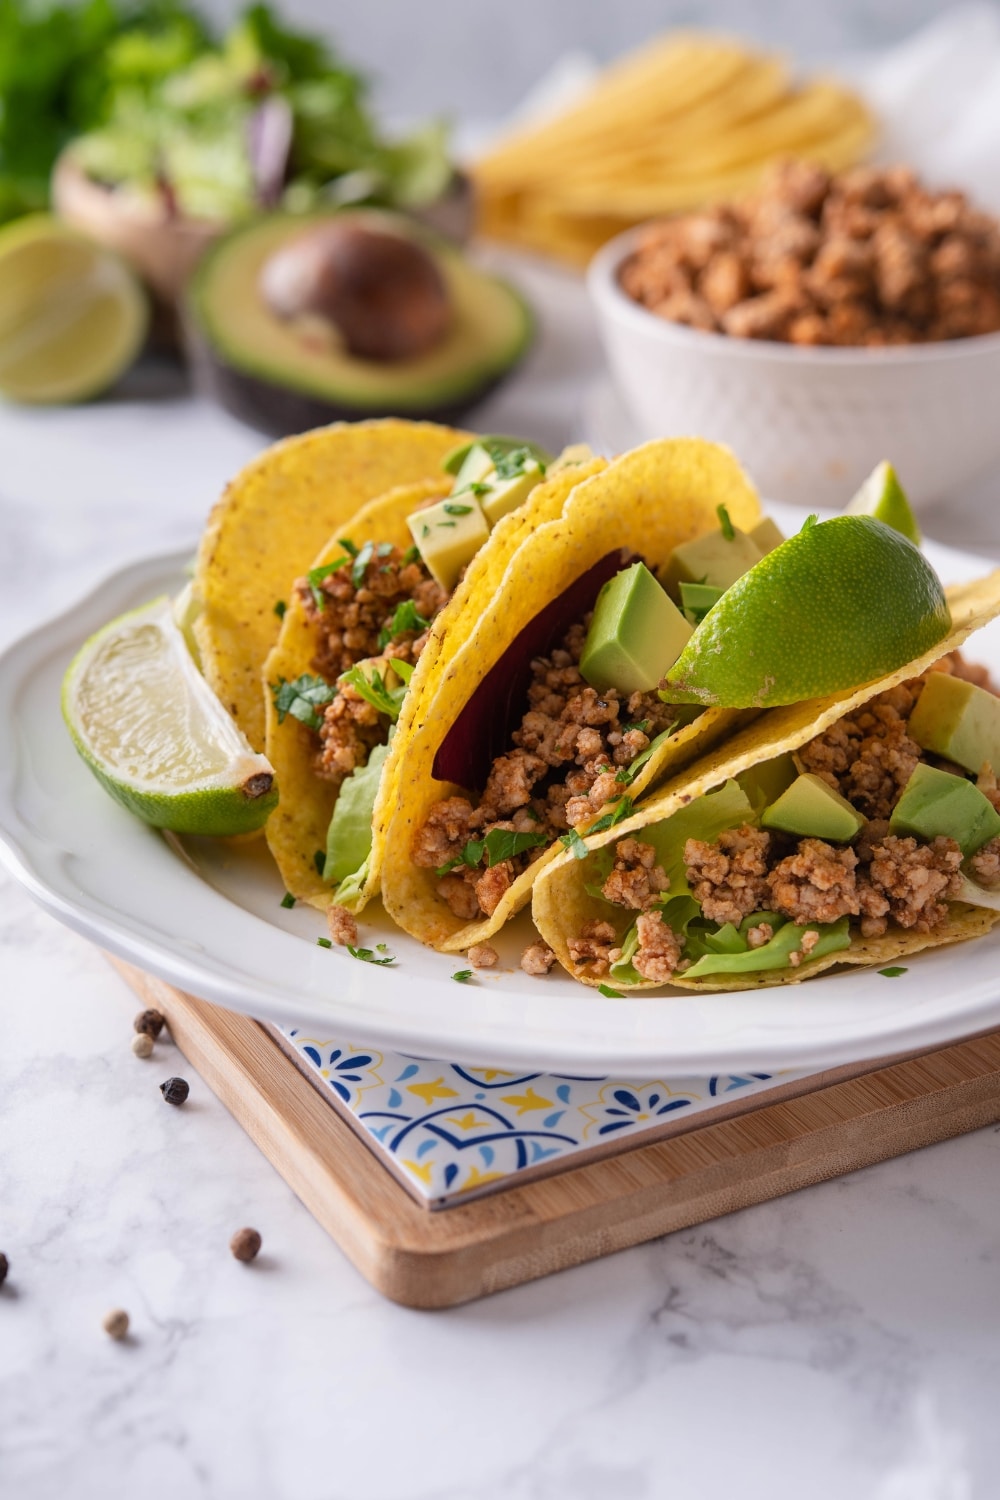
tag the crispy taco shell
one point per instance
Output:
(298, 827)
(273, 517)
(561, 904)
(649, 501)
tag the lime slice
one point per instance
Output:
(72, 315)
(883, 497)
(155, 735)
(836, 606)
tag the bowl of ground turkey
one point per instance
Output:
(826, 324)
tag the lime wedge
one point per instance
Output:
(72, 315)
(155, 735)
(883, 497)
(838, 605)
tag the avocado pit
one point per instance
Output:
(381, 295)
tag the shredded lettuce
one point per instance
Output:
(349, 836)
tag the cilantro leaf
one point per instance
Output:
(893, 972)
(348, 546)
(411, 555)
(573, 841)
(462, 976)
(405, 618)
(499, 844)
(288, 900)
(302, 698)
(605, 989)
(359, 567)
(366, 955)
(315, 577)
(628, 773)
(323, 943)
(727, 526)
(319, 860)
(618, 814)
(451, 509)
(280, 608)
(372, 686)
(509, 462)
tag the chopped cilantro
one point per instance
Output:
(406, 618)
(628, 773)
(809, 523)
(288, 900)
(618, 814)
(315, 577)
(359, 567)
(319, 860)
(425, 530)
(451, 509)
(725, 523)
(498, 845)
(348, 545)
(477, 487)
(372, 687)
(573, 841)
(462, 976)
(383, 549)
(366, 955)
(605, 989)
(447, 523)
(510, 462)
(279, 609)
(893, 973)
(410, 556)
(323, 943)
(302, 698)
(641, 724)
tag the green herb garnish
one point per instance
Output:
(374, 689)
(618, 814)
(359, 567)
(319, 860)
(893, 972)
(727, 526)
(302, 698)
(348, 546)
(809, 523)
(452, 509)
(462, 976)
(288, 900)
(323, 943)
(366, 955)
(499, 844)
(628, 773)
(406, 618)
(410, 556)
(574, 842)
(279, 609)
(315, 577)
(605, 989)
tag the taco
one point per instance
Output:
(365, 637)
(855, 829)
(517, 749)
(275, 515)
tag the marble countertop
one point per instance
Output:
(840, 1342)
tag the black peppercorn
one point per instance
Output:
(149, 1021)
(175, 1090)
(4, 1267)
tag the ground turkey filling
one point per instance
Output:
(348, 628)
(567, 753)
(881, 881)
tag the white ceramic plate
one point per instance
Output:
(208, 917)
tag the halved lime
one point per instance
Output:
(883, 497)
(155, 735)
(838, 605)
(73, 317)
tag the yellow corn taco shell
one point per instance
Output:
(649, 501)
(274, 516)
(561, 904)
(298, 827)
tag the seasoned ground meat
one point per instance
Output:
(808, 943)
(815, 884)
(759, 935)
(636, 879)
(483, 956)
(353, 616)
(985, 863)
(868, 757)
(350, 730)
(916, 879)
(342, 924)
(659, 949)
(596, 948)
(537, 958)
(561, 769)
(460, 897)
(729, 877)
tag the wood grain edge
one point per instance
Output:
(426, 1260)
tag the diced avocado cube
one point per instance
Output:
(448, 535)
(811, 809)
(474, 468)
(936, 803)
(959, 721)
(697, 599)
(505, 495)
(715, 559)
(636, 634)
(765, 782)
(766, 535)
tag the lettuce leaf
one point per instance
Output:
(349, 836)
(833, 937)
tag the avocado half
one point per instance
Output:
(258, 367)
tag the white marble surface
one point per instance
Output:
(840, 1343)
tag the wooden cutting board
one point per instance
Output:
(746, 1152)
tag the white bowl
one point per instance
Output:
(808, 423)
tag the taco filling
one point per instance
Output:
(874, 825)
